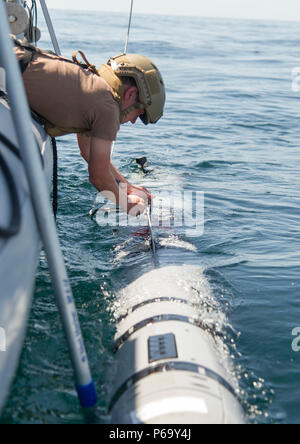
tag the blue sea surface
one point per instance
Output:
(231, 130)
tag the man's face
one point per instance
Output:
(130, 98)
(133, 116)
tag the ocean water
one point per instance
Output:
(231, 131)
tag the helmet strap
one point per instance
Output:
(126, 112)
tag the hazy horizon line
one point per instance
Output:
(174, 14)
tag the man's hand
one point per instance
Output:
(140, 191)
(135, 205)
(108, 180)
(139, 198)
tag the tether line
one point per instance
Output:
(148, 214)
(129, 26)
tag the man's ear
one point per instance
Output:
(131, 93)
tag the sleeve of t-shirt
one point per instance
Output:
(104, 118)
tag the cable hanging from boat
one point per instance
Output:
(55, 179)
(15, 220)
(10, 145)
(129, 26)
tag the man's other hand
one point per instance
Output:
(136, 205)
(140, 191)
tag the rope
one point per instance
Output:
(10, 145)
(149, 213)
(129, 26)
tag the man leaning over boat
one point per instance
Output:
(75, 97)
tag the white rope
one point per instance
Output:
(129, 26)
(148, 214)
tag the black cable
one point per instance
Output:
(10, 145)
(54, 192)
(16, 152)
(15, 220)
(16, 215)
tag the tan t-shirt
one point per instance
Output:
(69, 96)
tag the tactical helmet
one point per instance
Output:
(148, 79)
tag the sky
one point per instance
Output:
(256, 9)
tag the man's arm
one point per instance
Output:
(118, 176)
(104, 176)
(99, 167)
(84, 143)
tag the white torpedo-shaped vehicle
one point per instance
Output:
(169, 369)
